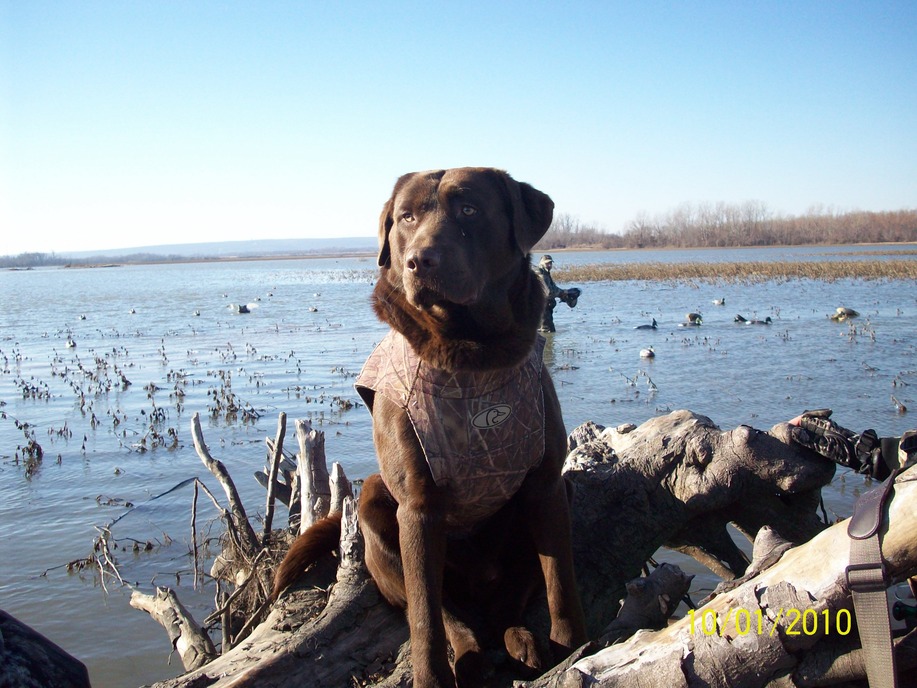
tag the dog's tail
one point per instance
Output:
(321, 537)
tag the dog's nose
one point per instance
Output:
(423, 261)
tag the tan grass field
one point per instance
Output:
(755, 271)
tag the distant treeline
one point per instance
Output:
(749, 224)
(40, 260)
(689, 226)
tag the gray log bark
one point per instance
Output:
(313, 475)
(188, 639)
(808, 582)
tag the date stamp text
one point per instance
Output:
(796, 622)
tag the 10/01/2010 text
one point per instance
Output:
(808, 622)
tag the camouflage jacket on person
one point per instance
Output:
(551, 290)
(481, 432)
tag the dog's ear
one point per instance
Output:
(385, 227)
(532, 212)
(387, 220)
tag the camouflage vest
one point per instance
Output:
(481, 432)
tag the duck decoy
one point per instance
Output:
(647, 353)
(647, 327)
(755, 321)
(692, 320)
(842, 313)
(719, 302)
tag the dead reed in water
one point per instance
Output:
(755, 271)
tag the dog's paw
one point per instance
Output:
(523, 649)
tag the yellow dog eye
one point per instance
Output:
(407, 217)
(469, 210)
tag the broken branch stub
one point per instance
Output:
(276, 456)
(313, 475)
(188, 638)
(340, 488)
(237, 511)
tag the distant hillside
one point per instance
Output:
(226, 249)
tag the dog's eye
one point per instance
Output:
(407, 217)
(469, 210)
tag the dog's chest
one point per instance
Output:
(481, 433)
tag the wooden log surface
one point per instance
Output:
(678, 481)
(313, 474)
(675, 481)
(762, 626)
(332, 627)
(188, 639)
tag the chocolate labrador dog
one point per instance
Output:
(469, 513)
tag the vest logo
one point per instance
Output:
(492, 416)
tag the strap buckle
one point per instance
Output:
(864, 577)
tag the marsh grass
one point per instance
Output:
(885, 252)
(749, 272)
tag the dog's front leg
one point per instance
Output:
(549, 524)
(423, 547)
(421, 540)
(548, 517)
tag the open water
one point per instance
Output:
(114, 451)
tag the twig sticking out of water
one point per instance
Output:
(237, 510)
(276, 457)
(194, 550)
(104, 559)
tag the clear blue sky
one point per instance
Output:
(135, 123)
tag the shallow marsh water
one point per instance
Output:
(298, 350)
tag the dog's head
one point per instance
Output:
(447, 236)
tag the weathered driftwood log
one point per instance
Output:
(30, 660)
(676, 481)
(244, 561)
(286, 492)
(756, 634)
(188, 639)
(340, 488)
(313, 474)
(828, 667)
(651, 600)
(240, 530)
(768, 549)
(328, 630)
